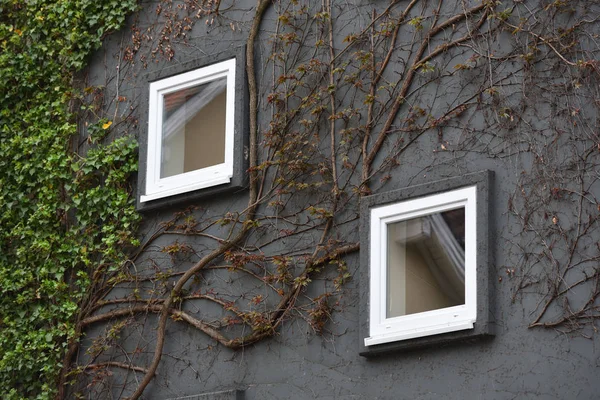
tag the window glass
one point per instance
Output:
(193, 131)
(426, 263)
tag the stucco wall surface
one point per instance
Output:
(516, 363)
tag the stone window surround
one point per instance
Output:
(483, 326)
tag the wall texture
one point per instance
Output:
(531, 122)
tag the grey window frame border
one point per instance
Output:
(239, 180)
(484, 326)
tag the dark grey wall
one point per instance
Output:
(297, 364)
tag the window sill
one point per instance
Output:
(185, 189)
(416, 333)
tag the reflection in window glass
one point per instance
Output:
(426, 263)
(193, 132)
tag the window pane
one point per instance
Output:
(426, 263)
(193, 131)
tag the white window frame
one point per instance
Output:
(157, 187)
(449, 319)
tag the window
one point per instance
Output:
(426, 258)
(423, 267)
(191, 131)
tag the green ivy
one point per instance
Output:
(61, 216)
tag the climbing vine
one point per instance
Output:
(66, 215)
(342, 100)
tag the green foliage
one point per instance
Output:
(62, 216)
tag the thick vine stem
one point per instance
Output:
(406, 84)
(261, 8)
(253, 94)
(276, 318)
(116, 364)
(376, 78)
